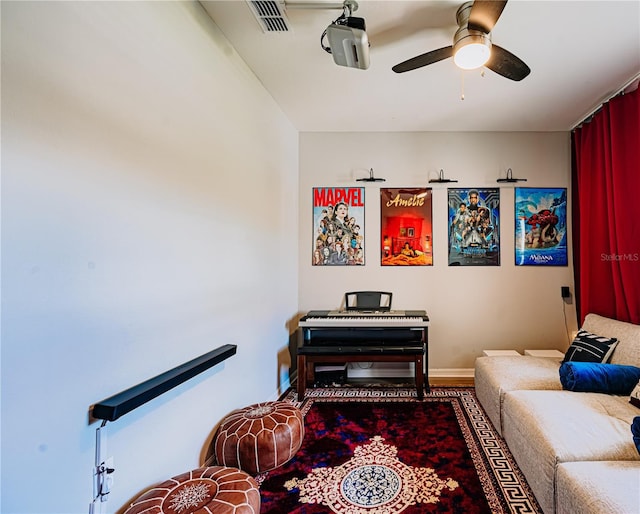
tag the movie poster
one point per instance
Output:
(405, 227)
(338, 226)
(474, 226)
(541, 226)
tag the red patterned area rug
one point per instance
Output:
(379, 450)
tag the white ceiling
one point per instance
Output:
(580, 53)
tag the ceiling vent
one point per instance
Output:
(270, 15)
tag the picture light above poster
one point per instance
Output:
(441, 179)
(370, 178)
(509, 178)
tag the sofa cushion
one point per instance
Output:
(588, 347)
(598, 487)
(627, 350)
(545, 428)
(594, 377)
(493, 376)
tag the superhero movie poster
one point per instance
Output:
(474, 227)
(338, 226)
(540, 226)
(405, 227)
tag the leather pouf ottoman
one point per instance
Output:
(215, 489)
(260, 437)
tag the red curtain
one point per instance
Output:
(606, 211)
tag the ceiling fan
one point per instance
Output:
(472, 46)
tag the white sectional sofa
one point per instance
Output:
(575, 449)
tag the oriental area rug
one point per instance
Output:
(379, 450)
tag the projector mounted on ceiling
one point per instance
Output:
(348, 41)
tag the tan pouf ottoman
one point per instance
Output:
(260, 437)
(215, 489)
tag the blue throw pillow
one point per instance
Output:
(635, 430)
(594, 377)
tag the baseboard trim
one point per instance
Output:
(451, 377)
(451, 373)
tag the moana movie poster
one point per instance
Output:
(338, 226)
(474, 223)
(541, 226)
(405, 227)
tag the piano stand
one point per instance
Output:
(306, 368)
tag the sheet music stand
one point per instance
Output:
(368, 301)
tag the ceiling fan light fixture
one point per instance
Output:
(472, 50)
(476, 20)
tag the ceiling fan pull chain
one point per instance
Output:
(461, 84)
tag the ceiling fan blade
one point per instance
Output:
(485, 13)
(424, 59)
(506, 64)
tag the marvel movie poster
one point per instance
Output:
(474, 222)
(338, 226)
(405, 227)
(541, 226)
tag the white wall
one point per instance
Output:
(149, 190)
(471, 308)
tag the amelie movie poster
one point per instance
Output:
(406, 233)
(338, 226)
